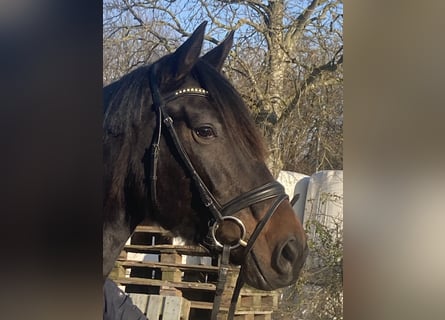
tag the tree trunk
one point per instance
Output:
(275, 75)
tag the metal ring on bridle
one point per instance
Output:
(241, 241)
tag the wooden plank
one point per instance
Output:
(149, 264)
(209, 306)
(158, 283)
(162, 307)
(244, 301)
(171, 273)
(242, 312)
(173, 308)
(202, 305)
(171, 258)
(122, 256)
(253, 317)
(251, 291)
(152, 229)
(168, 248)
(222, 315)
(185, 309)
(257, 301)
(169, 291)
(155, 305)
(140, 300)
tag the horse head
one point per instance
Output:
(181, 148)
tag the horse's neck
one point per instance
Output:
(115, 235)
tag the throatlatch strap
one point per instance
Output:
(222, 278)
(158, 104)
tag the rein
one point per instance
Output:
(220, 212)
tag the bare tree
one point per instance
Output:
(287, 63)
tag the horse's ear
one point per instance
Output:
(181, 62)
(218, 55)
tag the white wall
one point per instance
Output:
(324, 198)
(295, 183)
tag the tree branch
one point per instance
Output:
(330, 66)
(133, 13)
(298, 25)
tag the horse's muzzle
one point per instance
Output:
(287, 256)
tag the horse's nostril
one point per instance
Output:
(286, 256)
(289, 251)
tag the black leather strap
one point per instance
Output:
(222, 279)
(158, 105)
(260, 226)
(265, 192)
(234, 300)
(206, 196)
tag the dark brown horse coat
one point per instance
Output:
(220, 138)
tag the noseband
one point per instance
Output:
(221, 213)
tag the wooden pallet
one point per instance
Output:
(165, 283)
(170, 277)
(168, 248)
(257, 300)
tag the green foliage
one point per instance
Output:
(318, 294)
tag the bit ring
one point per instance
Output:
(241, 241)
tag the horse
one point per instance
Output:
(181, 149)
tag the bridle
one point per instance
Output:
(220, 212)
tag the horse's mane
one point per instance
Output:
(126, 100)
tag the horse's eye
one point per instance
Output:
(205, 132)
